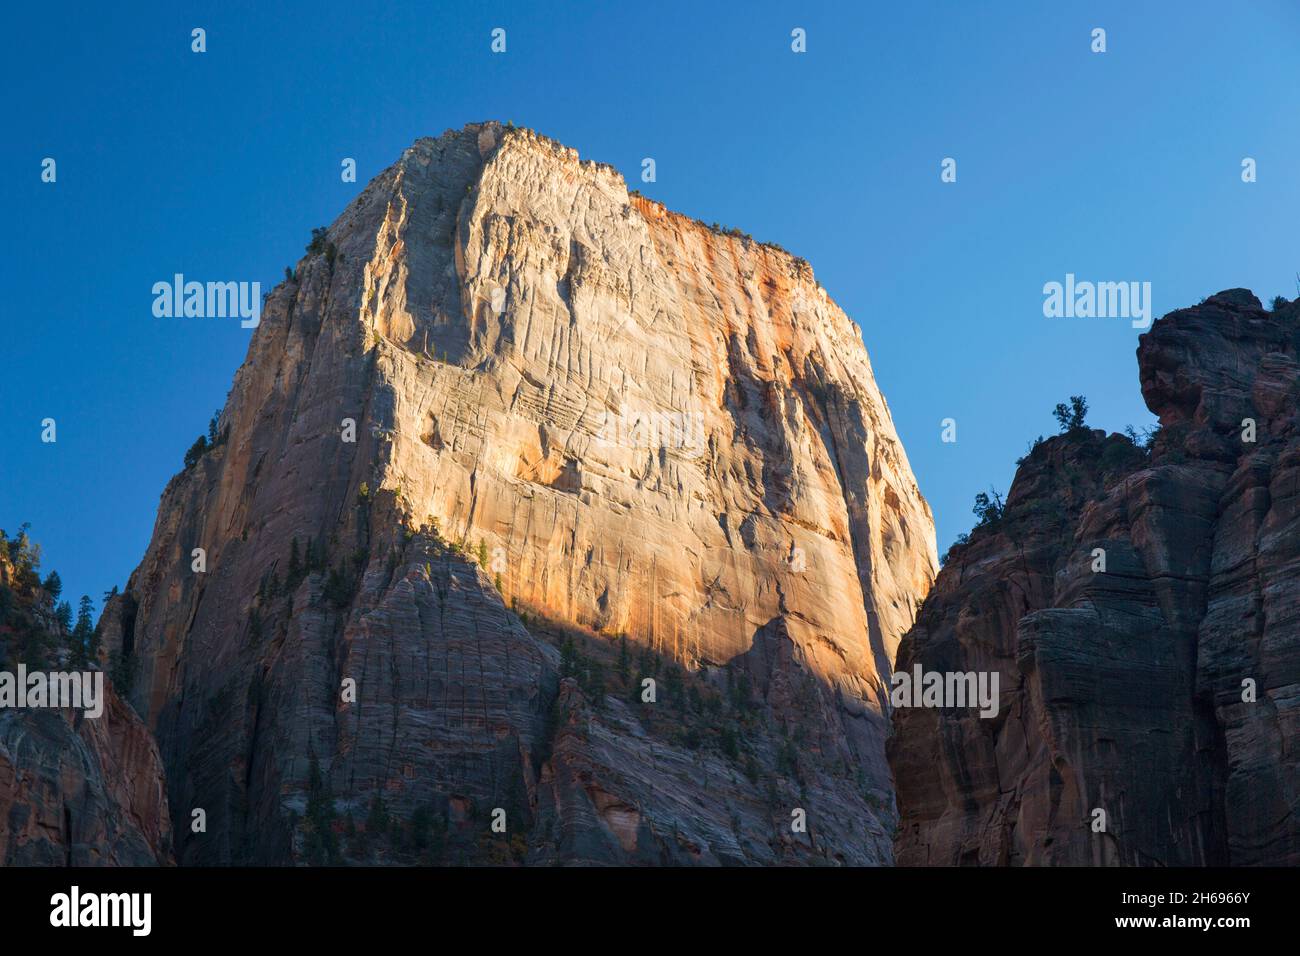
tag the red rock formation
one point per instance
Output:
(80, 791)
(1123, 690)
(75, 790)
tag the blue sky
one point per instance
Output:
(1116, 166)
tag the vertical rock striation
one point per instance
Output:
(660, 444)
(1123, 690)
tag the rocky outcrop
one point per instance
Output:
(81, 791)
(75, 789)
(499, 383)
(1161, 687)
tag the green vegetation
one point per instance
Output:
(196, 451)
(729, 231)
(206, 443)
(322, 845)
(322, 245)
(1033, 446)
(121, 670)
(1070, 417)
(85, 639)
(421, 840)
(1108, 458)
(989, 508)
(1122, 456)
(337, 590)
(36, 628)
(341, 580)
(694, 710)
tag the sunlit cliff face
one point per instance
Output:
(633, 422)
(656, 428)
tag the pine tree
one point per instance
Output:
(322, 844)
(196, 451)
(569, 658)
(622, 658)
(741, 693)
(295, 568)
(63, 616)
(673, 684)
(728, 743)
(122, 673)
(649, 663)
(336, 589)
(93, 649)
(1071, 417)
(594, 684)
(83, 633)
(988, 509)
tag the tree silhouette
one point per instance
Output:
(1071, 417)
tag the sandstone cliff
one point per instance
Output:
(80, 791)
(74, 790)
(596, 443)
(1123, 690)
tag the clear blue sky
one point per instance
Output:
(1114, 166)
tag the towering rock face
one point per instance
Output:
(659, 445)
(1163, 690)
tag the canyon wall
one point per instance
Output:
(532, 496)
(547, 526)
(81, 791)
(75, 790)
(1162, 688)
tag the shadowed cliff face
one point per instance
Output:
(571, 402)
(1122, 690)
(79, 791)
(75, 790)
